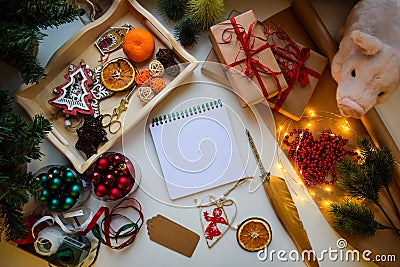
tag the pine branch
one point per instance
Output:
(22, 42)
(19, 144)
(21, 23)
(364, 180)
(41, 14)
(353, 218)
(13, 196)
(356, 181)
(5, 101)
(12, 222)
(379, 163)
(22, 144)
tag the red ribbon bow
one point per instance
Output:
(291, 59)
(253, 66)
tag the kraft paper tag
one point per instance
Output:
(172, 235)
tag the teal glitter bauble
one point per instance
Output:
(54, 204)
(44, 195)
(74, 190)
(42, 178)
(69, 176)
(68, 202)
(53, 171)
(55, 183)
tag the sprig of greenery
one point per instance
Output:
(353, 217)
(357, 181)
(21, 23)
(19, 144)
(364, 180)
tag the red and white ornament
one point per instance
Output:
(216, 217)
(73, 96)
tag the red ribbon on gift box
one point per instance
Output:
(253, 67)
(291, 59)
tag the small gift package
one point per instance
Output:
(301, 67)
(240, 44)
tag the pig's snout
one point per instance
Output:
(350, 108)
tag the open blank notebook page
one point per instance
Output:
(197, 149)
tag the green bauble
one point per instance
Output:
(68, 202)
(53, 171)
(74, 190)
(206, 13)
(42, 178)
(172, 9)
(69, 176)
(56, 183)
(54, 203)
(44, 195)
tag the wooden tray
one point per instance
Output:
(34, 98)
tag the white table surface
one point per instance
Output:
(152, 193)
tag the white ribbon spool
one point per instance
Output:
(49, 240)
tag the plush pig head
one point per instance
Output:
(368, 76)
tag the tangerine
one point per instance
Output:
(138, 45)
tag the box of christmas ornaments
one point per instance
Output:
(105, 79)
(66, 231)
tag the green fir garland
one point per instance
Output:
(19, 144)
(21, 25)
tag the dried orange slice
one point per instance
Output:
(118, 74)
(254, 234)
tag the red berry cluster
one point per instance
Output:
(316, 159)
(113, 176)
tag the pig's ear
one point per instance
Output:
(369, 45)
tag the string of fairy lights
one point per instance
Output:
(309, 121)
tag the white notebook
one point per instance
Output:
(197, 149)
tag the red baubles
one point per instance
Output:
(115, 193)
(113, 176)
(100, 190)
(102, 164)
(124, 183)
